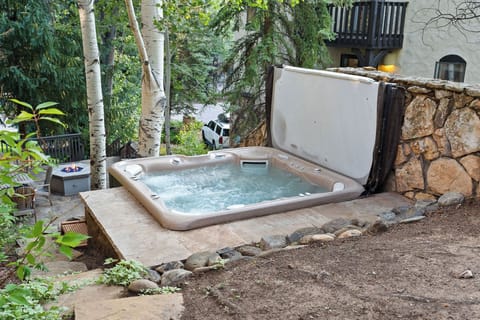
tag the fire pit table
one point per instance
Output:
(70, 178)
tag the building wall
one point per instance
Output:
(423, 47)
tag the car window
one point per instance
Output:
(218, 130)
(211, 125)
(226, 132)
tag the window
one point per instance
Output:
(348, 60)
(211, 125)
(218, 130)
(451, 67)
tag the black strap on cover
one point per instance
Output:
(391, 109)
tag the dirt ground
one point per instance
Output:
(409, 272)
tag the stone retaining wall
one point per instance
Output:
(439, 151)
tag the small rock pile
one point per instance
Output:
(176, 273)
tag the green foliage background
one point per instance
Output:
(41, 56)
(275, 32)
(41, 59)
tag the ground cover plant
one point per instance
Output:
(123, 273)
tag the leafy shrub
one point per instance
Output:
(175, 127)
(36, 237)
(23, 301)
(189, 140)
(8, 231)
(20, 155)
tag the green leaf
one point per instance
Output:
(18, 298)
(21, 272)
(67, 251)
(37, 229)
(9, 138)
(53, 120)
(30, 258)
(31, 135)
(10, 192)
(39, 155)
(45, 105)
(41, 242)
(54, 111)
(110, 261)
(31, 245)
(27, 272)
(71, 239)
(3, 301)
(22, 103)
(23, 116)
(16, 294)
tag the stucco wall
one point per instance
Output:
(422, 47)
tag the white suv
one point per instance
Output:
(216, 134)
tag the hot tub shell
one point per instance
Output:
(129, 173)
(324, 128)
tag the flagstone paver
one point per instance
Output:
(156, 307)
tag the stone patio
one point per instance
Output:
(121, 226)
(64, 208)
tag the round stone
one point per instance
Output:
(350, 233)
(249, 251)
(200, 259)
(450, 199)
(175, 277)
(169, 266)
(139, 286)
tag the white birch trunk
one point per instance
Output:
(150, 44)
(168, 74)
(98, 164)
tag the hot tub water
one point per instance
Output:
(226, 186)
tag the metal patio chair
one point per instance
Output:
(43, 189)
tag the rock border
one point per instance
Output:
(177, 273)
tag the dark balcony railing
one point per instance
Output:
(372, 24)
(63, 148)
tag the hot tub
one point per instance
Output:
(324, 128)
(131, 174)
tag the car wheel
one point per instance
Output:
(203, 137)
(214, 147)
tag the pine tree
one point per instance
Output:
(277, 33)
(40, 57)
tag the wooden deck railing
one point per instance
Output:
(371, 24)
(63, 148)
